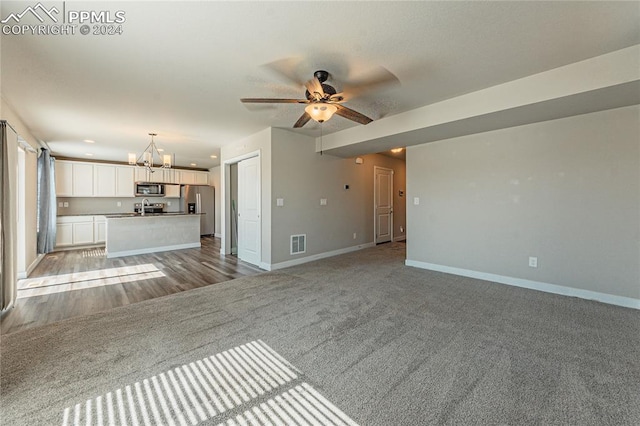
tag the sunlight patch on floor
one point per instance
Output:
(89, 279)
(248, 384)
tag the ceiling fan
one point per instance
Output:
(322, 102)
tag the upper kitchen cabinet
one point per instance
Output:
(202, 178)
(124, 181)
(64, 179)
(158, 175)
(74, 179)
(78, 179)
(186, 177)
(82, 180)
(141, 174)
(104, 180)
(113, 181)
(192, 177)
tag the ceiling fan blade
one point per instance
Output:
(375, 79)
(287, 68)
(352, 115)
(314, 86)
(304, 118)
(273, 101)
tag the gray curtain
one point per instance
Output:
(8, 212)
(46, 202)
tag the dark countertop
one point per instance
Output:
(122, 215)
(127, 214)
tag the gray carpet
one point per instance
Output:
(369, 341)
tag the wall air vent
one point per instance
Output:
(298, 243)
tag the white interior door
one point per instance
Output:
(383, 199)
(249, 210)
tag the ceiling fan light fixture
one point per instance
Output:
(321, 111)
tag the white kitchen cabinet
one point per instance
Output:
(159, 175)
(83, 232)
(170, 176)
(64, 178)
(201, 178)
(74, 179)
(99, 229)
(75, 230)
(82, 180)
(187, 177)
(104, 180)
(141, 174)
(64, 234)
(124, 181)
(113, 181)
(172, 191)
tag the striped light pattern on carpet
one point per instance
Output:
(250, 384)
(88, 279)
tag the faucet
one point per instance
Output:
(145, 202)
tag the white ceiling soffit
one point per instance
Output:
(180, 68)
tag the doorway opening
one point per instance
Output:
(383, 204)
(242, 231)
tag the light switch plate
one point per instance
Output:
(279, 202)
(323, 201)
(416, 201)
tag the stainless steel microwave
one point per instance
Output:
(149, 189)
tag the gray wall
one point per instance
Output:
(566, 191)
(302, 177)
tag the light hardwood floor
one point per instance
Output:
(72, 283)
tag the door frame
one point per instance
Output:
(225, 200)
(375, 203)
(246, 187)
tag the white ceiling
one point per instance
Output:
(180, 68)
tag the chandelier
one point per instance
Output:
(146, 159)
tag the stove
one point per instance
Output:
(151, 208)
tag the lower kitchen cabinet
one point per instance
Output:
(64, 234)
(99, 229)
(80, 230)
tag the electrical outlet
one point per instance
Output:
(66, 204)
(168, 203)
(60, 204)
(355, 235)
(279, 202)
(533, 262)
(119, 204)
(416, 201)
(323, 201)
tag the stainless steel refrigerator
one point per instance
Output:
(200, 199)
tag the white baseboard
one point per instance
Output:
(301, 260)
(152, 250)
(25, 274)
(627, 302)
(217, 235)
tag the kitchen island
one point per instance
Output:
(131, 234)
